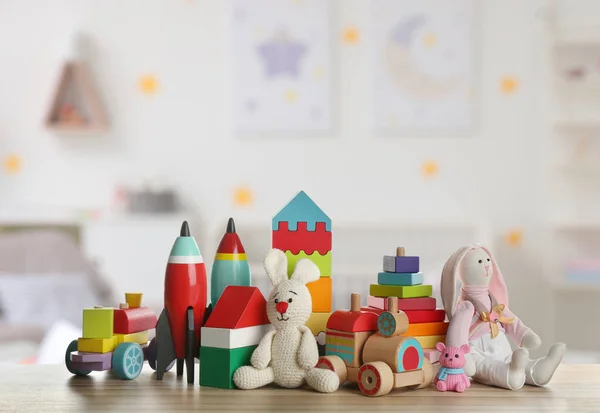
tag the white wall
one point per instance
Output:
(184, 133)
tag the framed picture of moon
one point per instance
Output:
(423, 67)
(280, 66)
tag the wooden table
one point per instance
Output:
(575, 388)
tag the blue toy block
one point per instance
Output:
(301, 209)
(399, 264)
(403, 278)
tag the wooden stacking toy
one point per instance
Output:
(402, 278)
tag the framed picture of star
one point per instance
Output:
(280, 66)
(424, 67)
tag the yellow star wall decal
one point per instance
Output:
(351, 35)
(430, 169)
(243, 196)
(12, 164)
(514, 237)
(430, 40)
(148, 84)
(509, 84)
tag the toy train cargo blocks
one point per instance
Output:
(371, 350)
(232, 332)
(302, 230)
(123, 350)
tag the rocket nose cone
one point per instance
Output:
(230, 226)
(185, 230)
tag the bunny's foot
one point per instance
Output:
(441, 386)
(540, 371)
(248, 377)
(516, 370)
(323, 381)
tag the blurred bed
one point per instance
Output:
(44, 279)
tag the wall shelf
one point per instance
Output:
(76, 106)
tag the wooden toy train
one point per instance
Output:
(369, 349)
(114, 338)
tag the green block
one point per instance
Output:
(401, 291)
(98, 322)
(217, 365)
(322, 261)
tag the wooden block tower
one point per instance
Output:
(302, 230)
(401, 277)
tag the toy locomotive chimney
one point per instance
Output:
(355, 302)
(392, 304)
(400, 252)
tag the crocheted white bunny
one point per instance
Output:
(288, 354)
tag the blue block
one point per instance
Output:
(400, 278)
(400, 264)
(301, 209)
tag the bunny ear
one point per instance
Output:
(306, 271)
(440, 346)
(275, 264)
(450, 279)
(465, 348)
(497, 287)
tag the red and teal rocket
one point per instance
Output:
(178, 327)
(231, 266)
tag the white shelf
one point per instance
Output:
(578, 124)
(580, 226)
(583, 86)
(580, 169)
(576, 37)
(578, 288)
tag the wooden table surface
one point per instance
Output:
(35, 388)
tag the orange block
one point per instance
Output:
(321, 292)
(427, 329)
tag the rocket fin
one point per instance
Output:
(190, 346)
(165, 349)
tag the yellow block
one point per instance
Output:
(430, 341)
(98, 322)
(140, 338)
(97, 345)
(133, 299)
(318, 322)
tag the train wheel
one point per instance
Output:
(70, 349)
(335, 364)
(128, 360)
(429, 373)
(151, 353)
(375, 379)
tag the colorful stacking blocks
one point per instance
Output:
(402, 278)
(235, 327)
(302, 230)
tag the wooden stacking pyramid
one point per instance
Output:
(76, 105)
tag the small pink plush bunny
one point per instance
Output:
(452, 376)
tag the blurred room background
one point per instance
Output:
(423, 124)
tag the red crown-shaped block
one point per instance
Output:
(302, 240)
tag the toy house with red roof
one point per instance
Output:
(232, 332)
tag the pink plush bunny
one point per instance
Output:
(451, 376)
(475, 297)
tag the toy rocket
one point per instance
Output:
(178, 327)
(230, 266)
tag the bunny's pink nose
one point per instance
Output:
(281, 307)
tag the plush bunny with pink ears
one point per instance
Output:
(476, 301)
